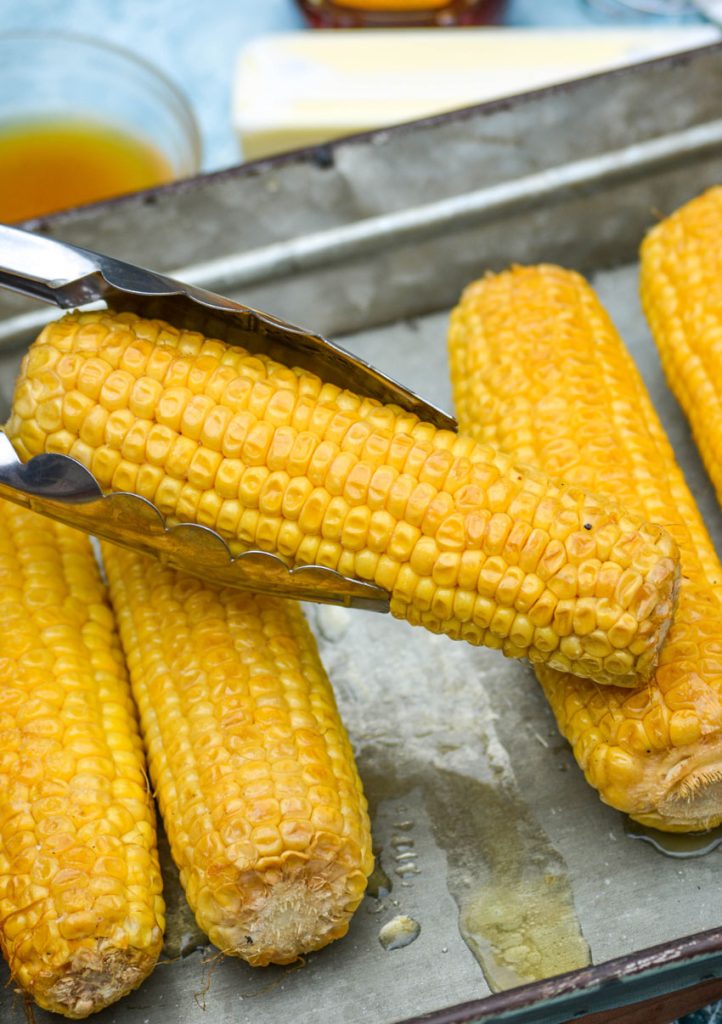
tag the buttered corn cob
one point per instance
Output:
(250, 761)
(538, 369)
(681, 280)
(81, 912)
(465, 542)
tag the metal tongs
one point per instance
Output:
(60, 487)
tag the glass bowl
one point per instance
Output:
(82, 120)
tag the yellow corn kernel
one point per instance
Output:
(364, 484)
(680, 263)
(654, 752)
(81, 912)
(272, 836)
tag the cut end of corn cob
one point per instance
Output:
(465, 541)
(299, 905)
(693, 802)
(92, 979)
(253, 769)
(539, 370)
(656, 754)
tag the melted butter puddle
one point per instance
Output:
(524, 934)
(516, 908)
(681, 845)
(399, 932)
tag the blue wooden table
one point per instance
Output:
(196, 45)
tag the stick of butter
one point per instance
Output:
(305, 88)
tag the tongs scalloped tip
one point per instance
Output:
(62, 488)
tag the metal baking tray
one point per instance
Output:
(533, 904)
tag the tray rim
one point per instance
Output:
(694, 958)
(321, 153)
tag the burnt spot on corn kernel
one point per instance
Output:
(249, 940)
(587, 526)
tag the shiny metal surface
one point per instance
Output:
(456, 213)
(371, 235)
(474, 795)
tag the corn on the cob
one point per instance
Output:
(465, 542)
(251, 764)
(681, 276)
(81, 912)
(538, 368)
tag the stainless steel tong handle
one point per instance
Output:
(59, 486)
(44, 269)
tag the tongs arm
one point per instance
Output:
(57, 272)
(69, 276)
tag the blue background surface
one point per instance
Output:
(196, 44)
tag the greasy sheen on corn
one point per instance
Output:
(81, 912)
(465, 542)
(681, 288)
(539, 369)
(250, 762)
